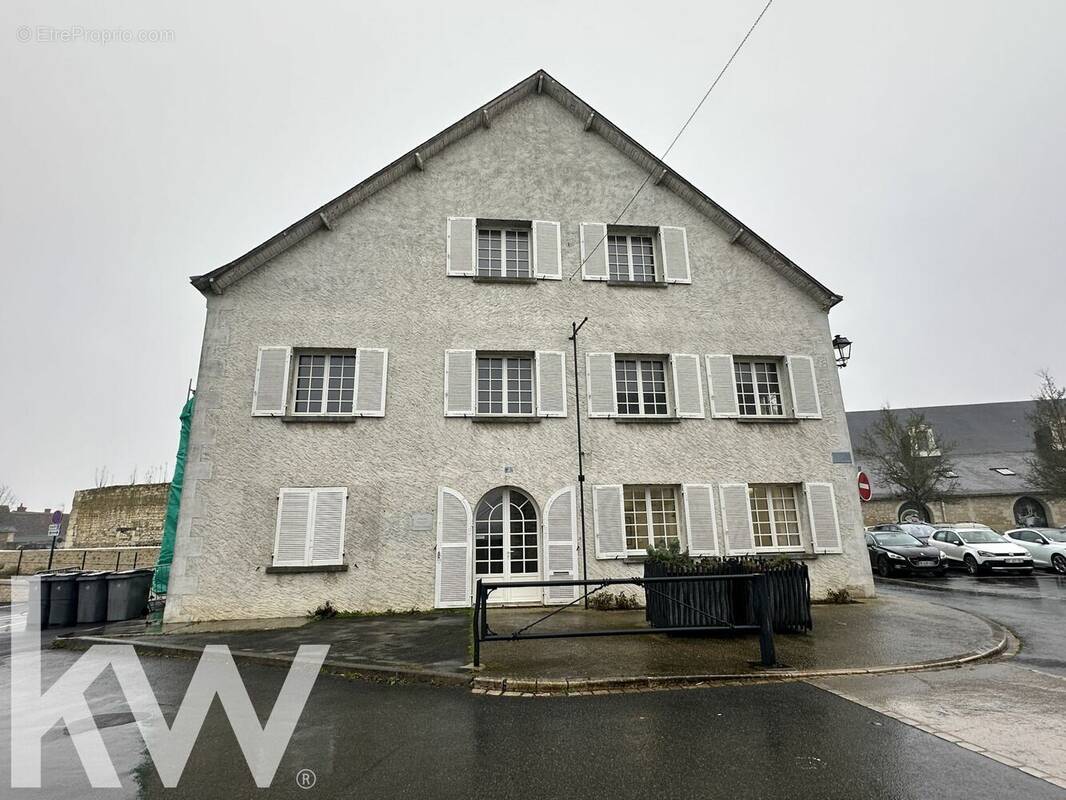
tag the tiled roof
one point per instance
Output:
(984, 435)
(28, 527)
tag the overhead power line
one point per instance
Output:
(666, 152)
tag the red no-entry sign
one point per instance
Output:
(865, 492)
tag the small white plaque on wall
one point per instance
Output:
(422, 521)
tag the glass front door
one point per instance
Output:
(506, 544)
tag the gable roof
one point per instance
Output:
(985, 436)
(28, 527)
(540, 82)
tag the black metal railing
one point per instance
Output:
(689, 617)
(789, 587)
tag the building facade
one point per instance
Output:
(991, 444)
(386, 396)
(24, 529)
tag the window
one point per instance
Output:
(758, 388)
(631, 258)
(503, 253)
(505, 385)
(1006, 471)
(923, 441)
(641, 386)
(325, 384)
(650, 517)
(1030, 511)
(775, 517)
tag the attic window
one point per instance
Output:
(951, 474)
(1003, 470)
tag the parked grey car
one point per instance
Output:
(1047, 546)
(921, 531)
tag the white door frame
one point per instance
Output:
(532, 596)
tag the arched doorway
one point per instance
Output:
(507, 543)
(913, 512)
(1030, 513)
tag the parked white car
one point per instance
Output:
(981, 550)
(1047, 546)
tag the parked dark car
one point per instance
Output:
(892, 552)
(922, 531)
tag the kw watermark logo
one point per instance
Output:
(34, 713)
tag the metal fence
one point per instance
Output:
(31, 561)
(686, 617)
(676, 604)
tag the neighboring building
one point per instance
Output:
(27, 529)
(992, 442)
(385, 401)
(118, 516)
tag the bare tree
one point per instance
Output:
(133, 475)
(907, 457)
(1047, 466)
(102, 477)
(7, 496)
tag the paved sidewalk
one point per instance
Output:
(436, 646)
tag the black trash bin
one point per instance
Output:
(44, 596)
(63, 600)
(127, 594)
(92, 597)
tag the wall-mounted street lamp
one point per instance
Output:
(843, 347)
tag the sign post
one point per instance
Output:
(865, 490)
(53, 531)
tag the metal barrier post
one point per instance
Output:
(766, 626)
(478, 591)
(84, 553)
(18, 567)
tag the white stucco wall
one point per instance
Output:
(378, 280)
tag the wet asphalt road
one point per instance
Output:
(770, 741)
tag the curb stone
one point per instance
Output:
(509, 686)
(341, 668)
(543, 687)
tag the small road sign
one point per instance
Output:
(57, 517)
(865, 491)
(53, 530)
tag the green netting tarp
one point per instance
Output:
(170, 523)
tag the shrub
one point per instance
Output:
(839, 596)
(324, 611)
(608, 601)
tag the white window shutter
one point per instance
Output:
(825, 524)
(459, 381)
(560, 541)
(462, 245)
(804, 384)
(594, 251)
(673, 242)
(700, 521)
(600, 386)
(293, 533)
(551, 383)
(722, 382)
(271, 382)
(454, 589)
(547, 250)
(736, 519)
(327, 529)
(371, 376)
(609, 521)
(688, 386)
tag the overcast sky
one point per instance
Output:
(907, 154)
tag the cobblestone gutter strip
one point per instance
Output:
(346, 669)
(531, 687)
